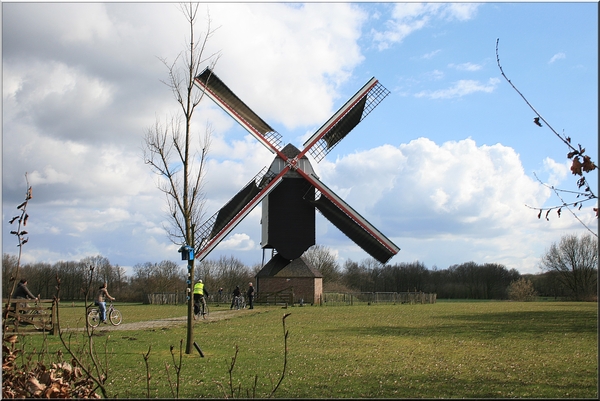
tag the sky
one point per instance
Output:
(445, 166)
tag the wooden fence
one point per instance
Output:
(27, 317)
(166, 298)
(179, 298)
(285, 296)
(356, 298)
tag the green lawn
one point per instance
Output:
(448, 350)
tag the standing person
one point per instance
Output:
(250, 294)
(200, 294)
(101, 302)
(236, 293)
(220, 294)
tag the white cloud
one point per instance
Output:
(430, 55)
(466, 66)
(557, 56)
(239, 242)
(460, 200)
(410, 17)
(462, 87)
(303, 42)
(557, 171)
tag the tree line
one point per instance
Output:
(569, 270)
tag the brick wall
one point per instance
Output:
(308, 288)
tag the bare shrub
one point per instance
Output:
(521, 290)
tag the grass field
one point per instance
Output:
(447, 349)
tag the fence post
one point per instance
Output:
(53, 318)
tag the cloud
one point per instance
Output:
(457, 199)
(239, 242)
(556, 57)
(466, 67)
(410, 17)
(303, 42)
(462, 87)
(430, 55)
(557, 171)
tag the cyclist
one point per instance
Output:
(22, 292)
(100, 301)
(236, 293)
(200, 295)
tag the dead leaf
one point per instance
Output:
(588, 164)
(576, 166)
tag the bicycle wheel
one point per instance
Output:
(205, 311)
(115, 317)
(41, 320)
(93, 317)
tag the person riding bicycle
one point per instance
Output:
(236, 293)
(102, 294)
(199, 296)
(22, 292)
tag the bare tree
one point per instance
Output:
(321, 258)
(581, 164)
(169, 150)
(575, 259)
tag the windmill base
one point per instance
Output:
(291, 281)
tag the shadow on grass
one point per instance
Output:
(490, 324)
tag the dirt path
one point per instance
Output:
(175, 321)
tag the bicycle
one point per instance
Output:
(239, 302)
(112, 314)
(202, 310)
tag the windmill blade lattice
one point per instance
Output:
(345, 119)
(216, 228)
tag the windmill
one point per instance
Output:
(289, 189)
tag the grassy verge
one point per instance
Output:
(449, 350)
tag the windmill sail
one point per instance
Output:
(233, 207)
(345, 119)
(345, 125)
(354, 231)
(215, 229)
(351, 223)
(235, 107)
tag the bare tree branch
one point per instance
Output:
(581, 163)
